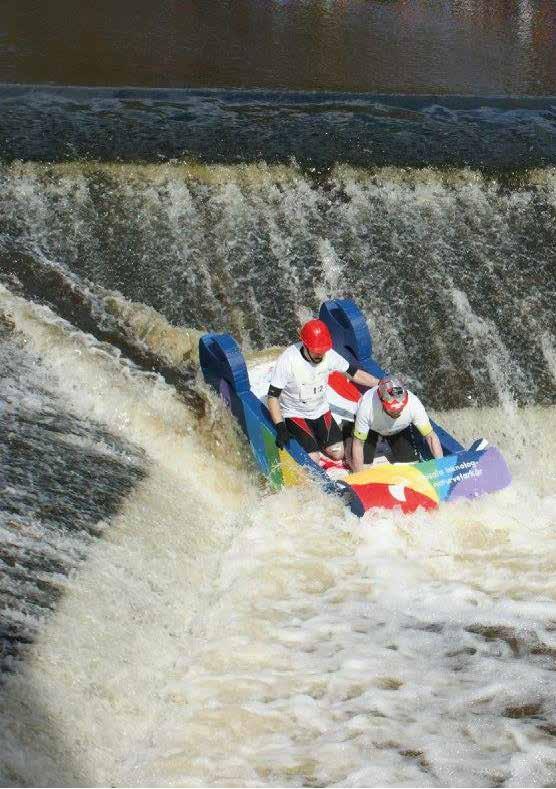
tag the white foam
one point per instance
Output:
(218, 636)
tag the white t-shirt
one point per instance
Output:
(304, 383)
(371, 416)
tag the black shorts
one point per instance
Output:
(314, 434)
(402, 446)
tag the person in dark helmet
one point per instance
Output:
(390, 410)
(297, 395)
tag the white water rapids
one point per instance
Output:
(222, 635)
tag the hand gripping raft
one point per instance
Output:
(461, 473)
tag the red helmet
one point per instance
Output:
(316, 337)
(393, 396)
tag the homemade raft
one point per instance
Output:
(461, 473)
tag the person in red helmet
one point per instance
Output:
(390, 410)
(297, 395)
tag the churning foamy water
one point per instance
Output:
(221, 635)
(165, 619)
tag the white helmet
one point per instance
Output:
(393, 396)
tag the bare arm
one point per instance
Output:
(275, 410)
(365, 379)
(356, 455)
(434, 445)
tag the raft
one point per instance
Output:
(461, 473)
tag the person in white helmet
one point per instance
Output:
(390, 410)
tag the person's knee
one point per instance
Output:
(335, 451)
